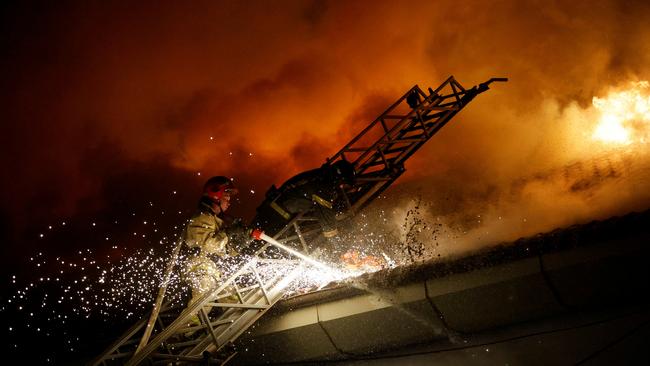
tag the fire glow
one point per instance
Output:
(625, 115)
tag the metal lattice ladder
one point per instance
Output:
(257, 285)
(380, 150)
(378, 154)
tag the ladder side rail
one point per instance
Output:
(161, 295)
(127, 336)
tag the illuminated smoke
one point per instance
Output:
(625, 115)
(116, 97)
(593, 163)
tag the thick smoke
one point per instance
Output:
(264, 90)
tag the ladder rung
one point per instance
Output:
(242, 306)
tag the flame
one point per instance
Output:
(625, 115)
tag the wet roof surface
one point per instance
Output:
(619, 228)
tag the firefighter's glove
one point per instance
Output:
(239, 237)
(255, 241)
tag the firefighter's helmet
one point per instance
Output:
(215, 187)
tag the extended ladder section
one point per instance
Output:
(170, 335)
(380, 150)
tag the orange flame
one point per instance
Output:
(625, 115)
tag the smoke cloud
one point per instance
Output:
(177, 92)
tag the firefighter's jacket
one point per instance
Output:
(204, 237)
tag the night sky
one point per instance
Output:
(113, 114)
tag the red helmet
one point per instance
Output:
(215, 187)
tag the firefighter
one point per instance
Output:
(314, 190)
(206, 238)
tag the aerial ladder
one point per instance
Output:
(378, 154)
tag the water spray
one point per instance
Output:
(259, 235)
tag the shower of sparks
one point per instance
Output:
(63, 295)
(625, 115)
